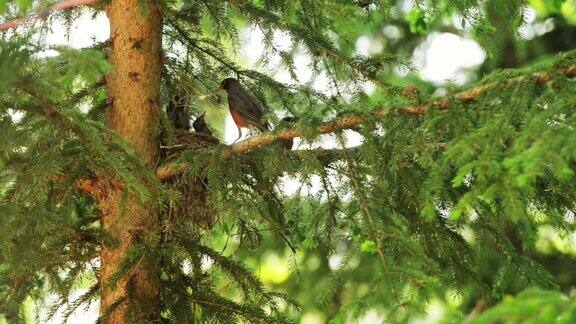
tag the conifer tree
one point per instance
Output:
(96, 185)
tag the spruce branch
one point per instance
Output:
(87, 91)
(92, 139)
(351, 121)
(47, 109)
(216, 302)
(324, 156)
(208, 48)
(172, 169)
(319, 45)
(86, 185)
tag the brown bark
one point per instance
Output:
(133, 88)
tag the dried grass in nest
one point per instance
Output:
(191, 204)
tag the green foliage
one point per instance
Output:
(416, 21)
(553, 6)
(447, 203)
(532, 306)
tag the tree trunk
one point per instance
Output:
(133, 89)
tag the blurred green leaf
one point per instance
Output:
(415, 19)
(533, 305)
(3, 6)
(368, 247)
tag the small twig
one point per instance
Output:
(172, 146)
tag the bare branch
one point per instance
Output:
(42, 14)
(170, 170)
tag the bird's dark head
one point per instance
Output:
(228, 83)
(200, 125)
(290, 120)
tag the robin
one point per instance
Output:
(244, 108)
(200, 125)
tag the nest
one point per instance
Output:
(191, 205)
(184, 140)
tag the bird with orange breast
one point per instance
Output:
(245, 109)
